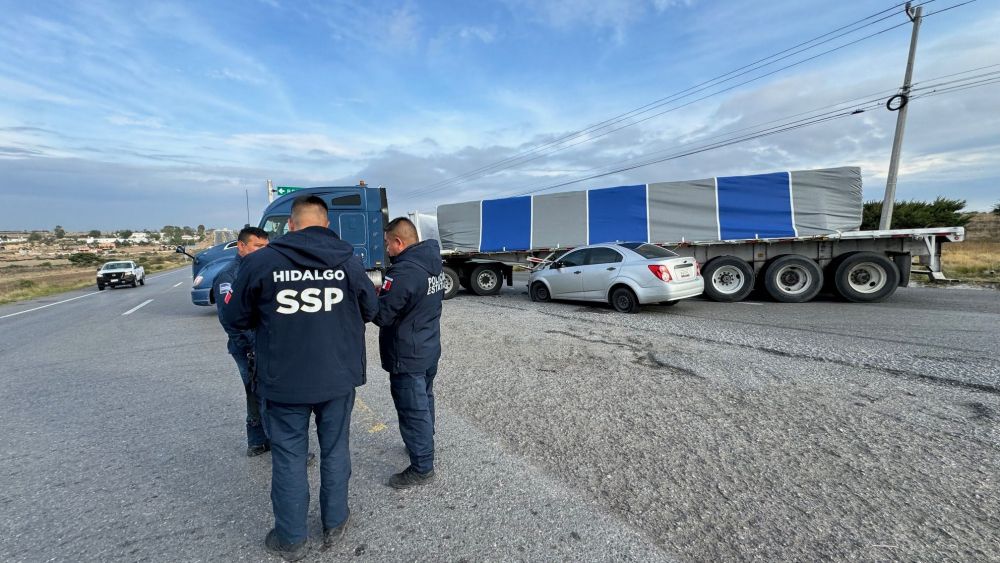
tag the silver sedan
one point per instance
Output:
(626, 275)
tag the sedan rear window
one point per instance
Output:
(651, 251)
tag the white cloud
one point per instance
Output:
(302, 144)
(133, 121)
(478, 33)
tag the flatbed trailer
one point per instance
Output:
(859, 266)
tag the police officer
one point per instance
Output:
(240, 343)
(308, 298)
(409, 314)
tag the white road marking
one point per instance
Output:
(50, 304)
(137, 307)
(171, 272)
(181, 269)
(748, 303)
(178, 283)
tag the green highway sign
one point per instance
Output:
(283, 190)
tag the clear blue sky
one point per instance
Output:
(140, 114)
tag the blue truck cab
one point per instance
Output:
(358, 214)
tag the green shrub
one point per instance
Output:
(84, 259)
(942, 212)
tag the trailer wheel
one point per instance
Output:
(450, 282)
(864, 277)
(486, 280)
(793, 279)
(728, 279)
(624, 300)
(539, 292)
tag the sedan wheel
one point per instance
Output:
(624, 300)
(539, 292)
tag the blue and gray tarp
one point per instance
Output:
(762, 206)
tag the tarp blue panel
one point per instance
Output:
(755, 206)
(506, 224)
(618, 214)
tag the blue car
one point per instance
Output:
(357, 213)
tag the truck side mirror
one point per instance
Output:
(182, 250)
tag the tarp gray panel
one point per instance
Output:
(682, 211)
(459, 226)
(827, 200)
(559, 220)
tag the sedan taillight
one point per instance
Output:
(697, 268)
(660, 271)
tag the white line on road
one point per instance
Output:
(137, 307)
(178, 283)
(49, 305)
(748, 303)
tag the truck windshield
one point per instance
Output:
(276, 225)
(116, 265)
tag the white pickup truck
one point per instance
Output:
(112, 274)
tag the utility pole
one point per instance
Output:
(270, 191)
(897, 142)
(247, 193)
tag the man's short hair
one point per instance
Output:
(247, 232)
(306, 201)
(403, 228)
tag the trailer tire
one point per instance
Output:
(486, 280)
(793, 279)
(728, 279)
(540, 292)
(450, 282)
(864, 277)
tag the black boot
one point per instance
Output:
(288, 552)
(409, 478)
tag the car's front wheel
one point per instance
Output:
(539, 292)
(100, 287)
(624, 300)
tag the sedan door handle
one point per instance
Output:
(577, 272)
(612, 269)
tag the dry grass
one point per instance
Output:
(19, 284)
(972, 260)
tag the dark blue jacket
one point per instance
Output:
(409, 310)
(240, 341)
(308, 298)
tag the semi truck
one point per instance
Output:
(357, 213)
(792, 234)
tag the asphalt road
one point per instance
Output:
(698, 432)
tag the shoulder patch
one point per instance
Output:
(387, 284)
(225, 288)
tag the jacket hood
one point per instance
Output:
(313, 248)
(425, 254)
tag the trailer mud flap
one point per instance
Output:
(903, 262)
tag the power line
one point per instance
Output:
(662, 101)
(686, 104)
(757, 135)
